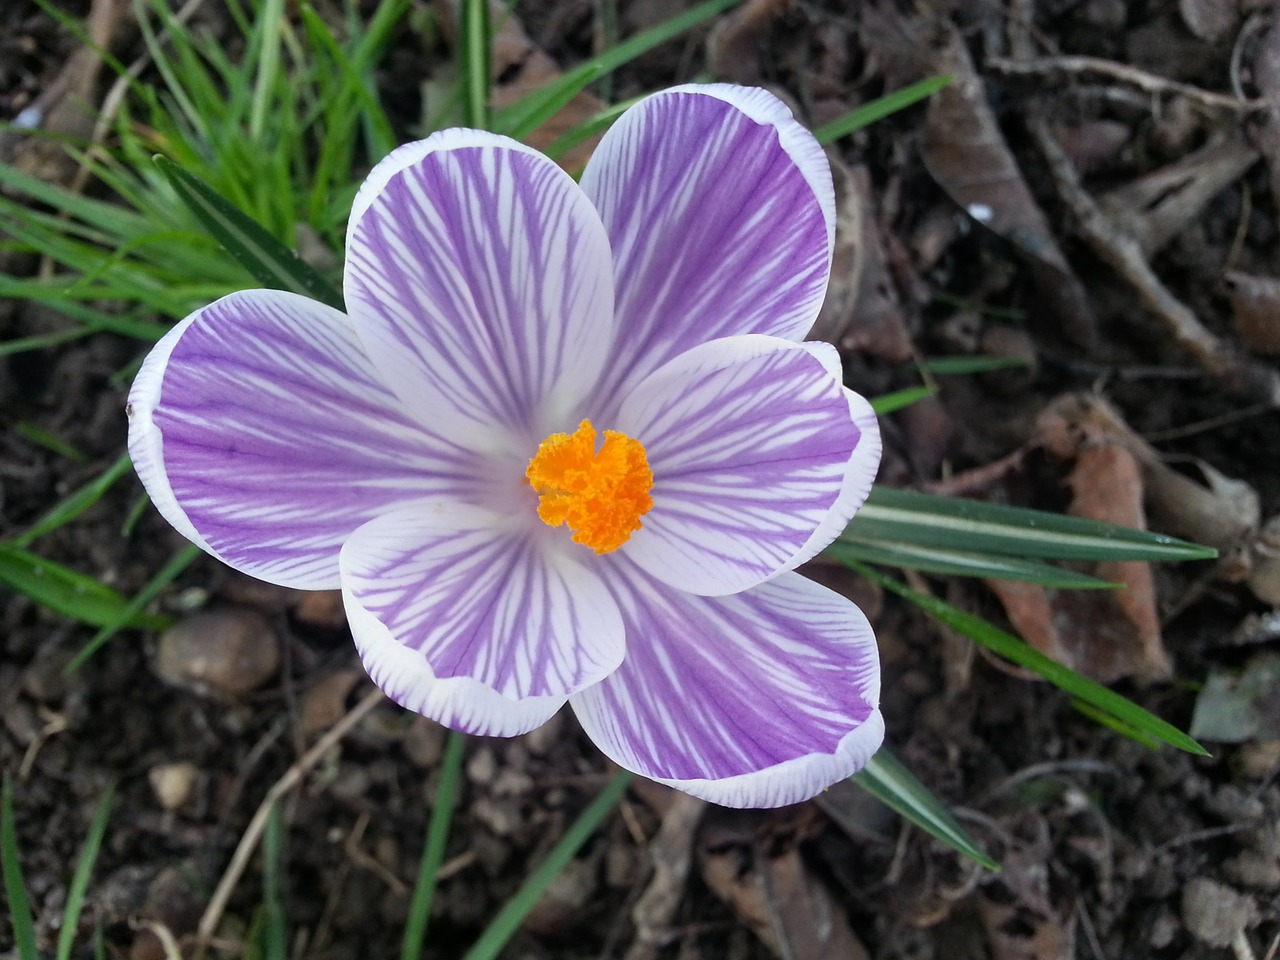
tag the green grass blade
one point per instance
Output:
(954, 366)
(962, 564)
(130, 614)
(597, 123)
(880, 108)
(904, 516)
(50, 441)
(527, 114)
(1119, 726)
(80, 880)
(65, 591)
(76, 503)
(1011, 648)
(415, 931)
(275, 928)
(15, 888)
(270, 19)
(886, 779)
(274, 264)
(889, 402)
(504, 926)
(474, 46)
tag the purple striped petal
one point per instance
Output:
(463, 617)
(262, 433)
(479, 279)
(752, 443)
(721, 212)
(755, 700)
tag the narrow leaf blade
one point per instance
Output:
(65, 591)
(905, 516)
(269, 260)
(1013, 649)
(886, 779)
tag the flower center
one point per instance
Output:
(601, 495)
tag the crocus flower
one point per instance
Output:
(565, 446)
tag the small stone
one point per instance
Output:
(563, 906)
(226, 653)
(173, 783)
(44, 679)
(321, 609)
(1214, 913)
(541, 740)
(1259, 758)
(423, 743)
(1255, 870)
(482, 767)
(325, 702)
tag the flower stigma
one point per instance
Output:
(601, 495)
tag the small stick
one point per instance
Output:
(1125, 256)
(253, 833)
(1148, 82)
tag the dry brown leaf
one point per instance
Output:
(1267, 75)
(1020, 920)
(671, 856)
(526, 69)
(1105, 635)
(1219, 511)
(1157, 206)
(773, 893)
(861, 312)
(735, 42)
(965, 152)
(325, 702)
(1255, 305)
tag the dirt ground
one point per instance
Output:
(1095, 195)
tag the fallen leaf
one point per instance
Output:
(525, 68)
(1235, 706)
(1219, 511)
(764, 880)
(861, 312)
(1255, 306)
(671, 858)
(736, 41)
(1018, 915)
(965, 151)
(1157, 206)
(1106, 635)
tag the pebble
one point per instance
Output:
(227, 653)
(1215, 913)
(482, 767)
(44, 679)
(423, 743)
(173, 783)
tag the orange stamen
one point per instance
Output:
(601, 495)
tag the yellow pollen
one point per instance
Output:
(601, 495)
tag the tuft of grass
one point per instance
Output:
(15, 886)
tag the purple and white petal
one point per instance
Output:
(760, 699)
(262, 433)
(475, 621)
(479, 279)
(721, 211)
(859, 474)
(751, 441)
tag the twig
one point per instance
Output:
(1148, 82)
(1124, 253)
(253, 833)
